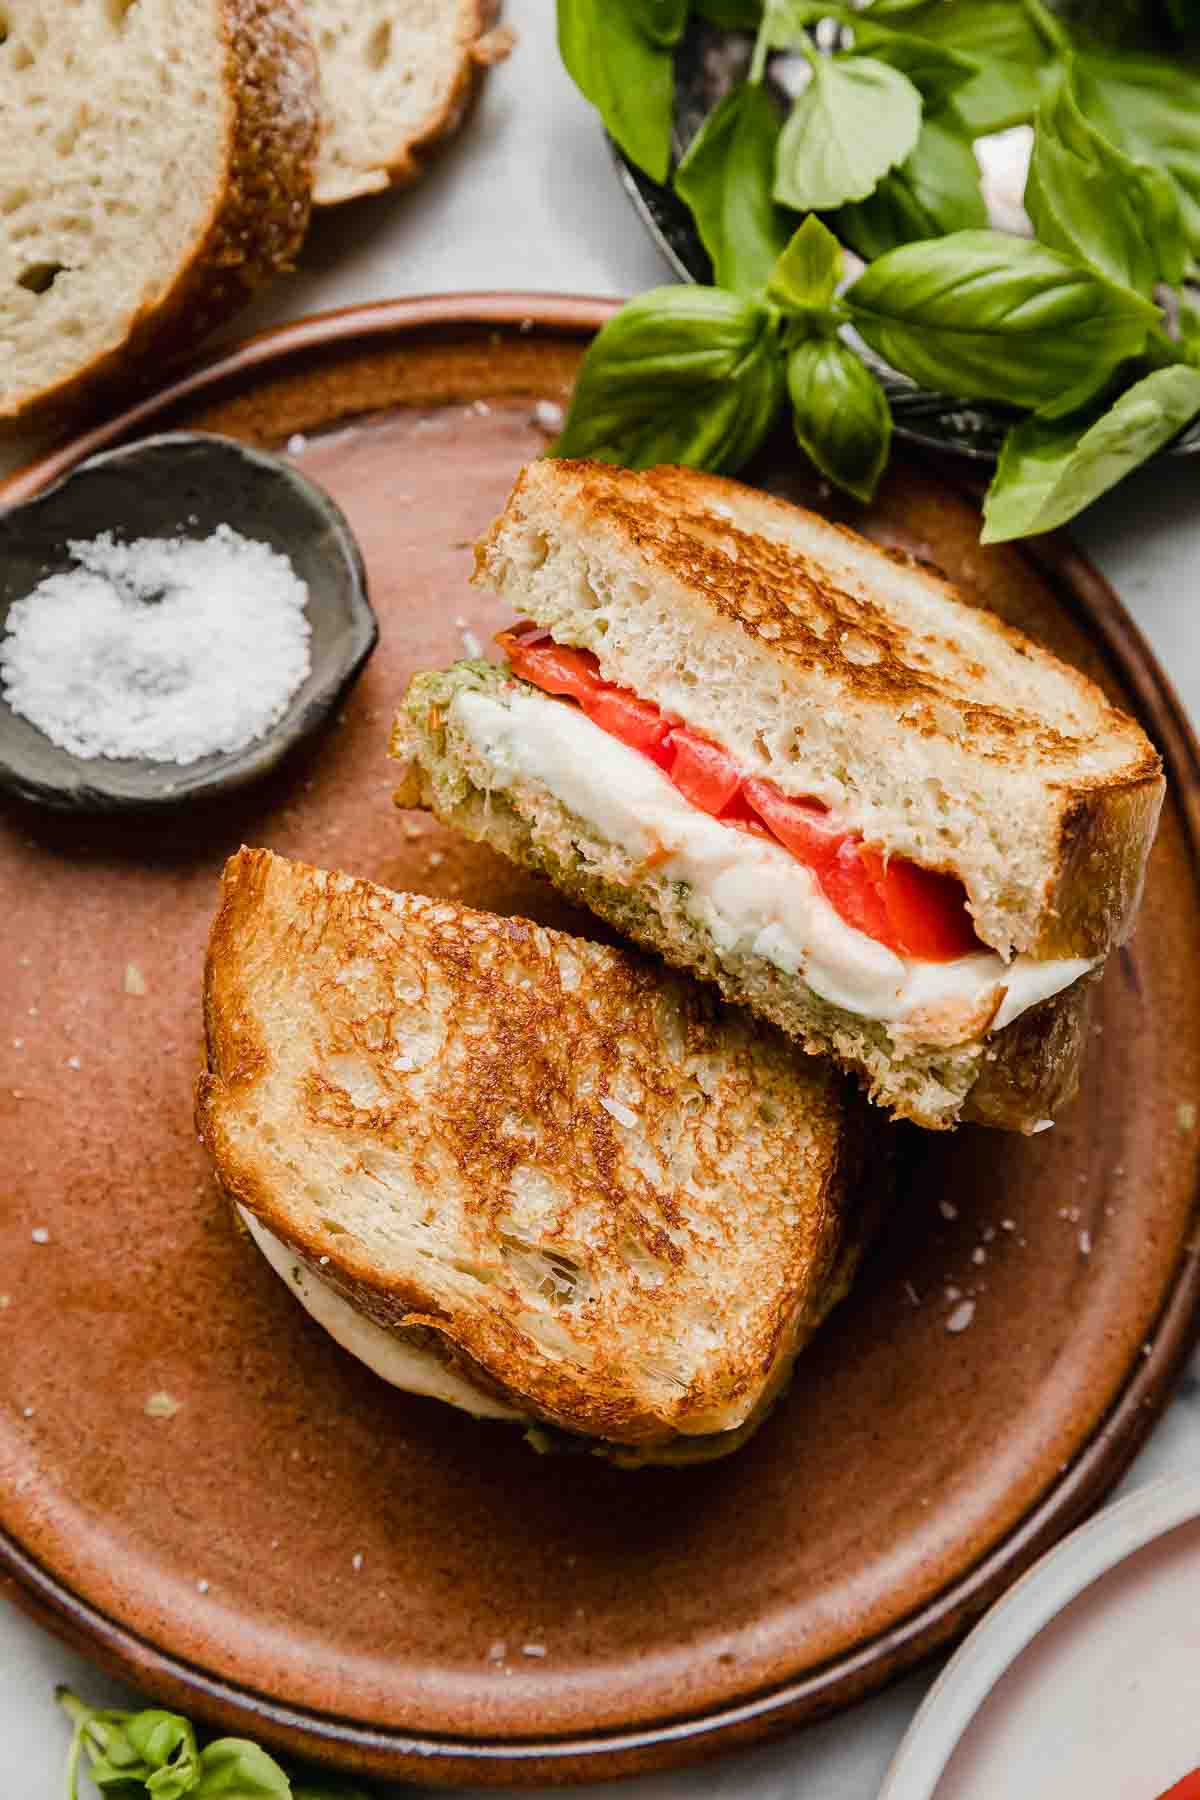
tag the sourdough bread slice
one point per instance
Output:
(593, 1192)
(397, 76)
(842, 672)
(156, 166)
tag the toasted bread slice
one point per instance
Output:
(841, 672)
(397, 77)
(156, 166)
(595, 1196)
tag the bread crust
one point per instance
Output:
(479, 46)
(517, 1039)
(255, 225)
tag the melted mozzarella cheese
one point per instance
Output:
(752, 897)
(403, 1365)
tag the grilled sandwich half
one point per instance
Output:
(805, 769)
(537, 1178)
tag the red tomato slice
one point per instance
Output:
(926, 912)
(1187, 1789)
(802, 826)
(703, 772)
(554, 668)
(637, 723)
(849, 888)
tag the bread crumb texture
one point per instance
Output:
(396, 77)
(156, 166)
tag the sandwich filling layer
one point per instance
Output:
(748, 892)
(402, 1365)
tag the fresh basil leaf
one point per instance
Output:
(935, 70)
(236, 1769)
(856, 119)
(662, 21)
(730, 15)
(809, 269)
(1002, 37)
(681, 374)
(1091, 201)
(627, 78)
(985, 316)
(935, 191)
(1149, 108)
(726, 177)
(1050, 471)
(840, 414)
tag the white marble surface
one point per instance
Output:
(527, 199)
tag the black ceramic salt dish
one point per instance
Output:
(186, 484)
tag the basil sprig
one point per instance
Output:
(617, 52)
(726, 179)
(156, 1753)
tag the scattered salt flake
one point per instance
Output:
(471, 644)
(1008, 1224)
(548, 415)
(18, 1043)
(961, 1317)
(497, 1651)
(322, 1260)
(481, 409)
(533, 1649)
(40, 1234)
(1085, 1243)
(27, 1412)
(979, 1255)
(436, 859)
(1146, 1349)
(202, 1586)
(912, 1293)
(624, 1115)
(1185, 1114)
(135, 981)
(297, 444)
(1042, 1125)
(989, 1235)
(356, 1561)
(161, 1406)
(947, 1209)
(73, 1062)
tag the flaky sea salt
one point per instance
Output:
(164, 648)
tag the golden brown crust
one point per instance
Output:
(255, 226)
(1105, 838)
(480, 45)
(1030, 1070)
(722, 1211)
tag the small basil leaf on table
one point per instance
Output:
(840, 414)
(628, 78)
(1148, 108)
(681, 374)
(809, 268)
(856, 119)
(726, 178)
(935, 191)
(1092, 201)
(236, 1769)
(1050, 470)
(1010, 49)
(985, 316)
(662, 21)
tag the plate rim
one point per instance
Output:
(389, 1751)
(1055, 1581)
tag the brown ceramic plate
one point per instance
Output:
(300, 1552)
